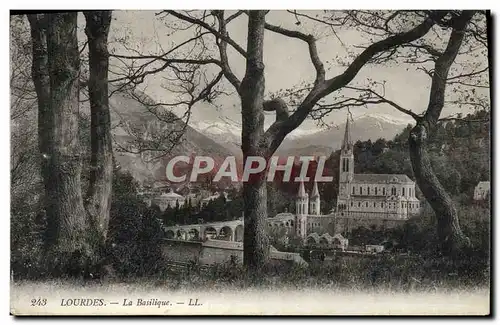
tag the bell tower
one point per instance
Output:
(315, 201)
(301, 211)
(346, 168)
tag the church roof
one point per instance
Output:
(381, 178)
(171, 195)
(314, 236)
(282, 216)
(483, 184)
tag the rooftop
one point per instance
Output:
(381, 178)
(171, 195)
(484, 184)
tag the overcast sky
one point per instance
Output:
(287, 64)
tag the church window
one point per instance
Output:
(353, 188)
(374, 204)
(383, 191)
(368, 190)
(367, 204)
(359, 204)
(361, 190)
(393, 191)
(347, 165)
(403, 191)
(382, 204)
(376, 188)
(352, 203)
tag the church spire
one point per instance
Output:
(347, 143)
(302, 190)
(315, 191)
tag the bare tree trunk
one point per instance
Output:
(41, 80)
(451, 236)
(64, 192)
(98, 200)
(55, 71)
(256, 243)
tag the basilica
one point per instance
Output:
(363, 200)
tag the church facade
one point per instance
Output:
(390, 196)
(363, 199)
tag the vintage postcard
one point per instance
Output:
(250, 162)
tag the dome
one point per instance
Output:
(171, 195)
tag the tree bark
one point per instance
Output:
(41, 80)
(448, 227)
(256, 242)
(67, 213)
(450, 235)
(98, 199)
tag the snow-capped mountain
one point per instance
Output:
(363, 127)
(310, 140)
(386, 118)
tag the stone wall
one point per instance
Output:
(216, 252)
(181, 251)
(219, 251)
(344, 225)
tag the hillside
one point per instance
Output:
(130, 118)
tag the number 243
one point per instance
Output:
(38, 302)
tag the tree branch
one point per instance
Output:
(279, 129)
(442, 68)
(383, 99)
(222, 45)
(311, 42)
(203, 24)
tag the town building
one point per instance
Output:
(482, 191)
(168, 199)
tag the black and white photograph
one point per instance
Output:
(250, 162)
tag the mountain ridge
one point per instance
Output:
(304, 142)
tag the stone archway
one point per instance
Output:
(170, 234)
(238, 233)
(323, 242)
(194, 234)
(311, 241)
(209, 233)
(181, 234)
(226, 233)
